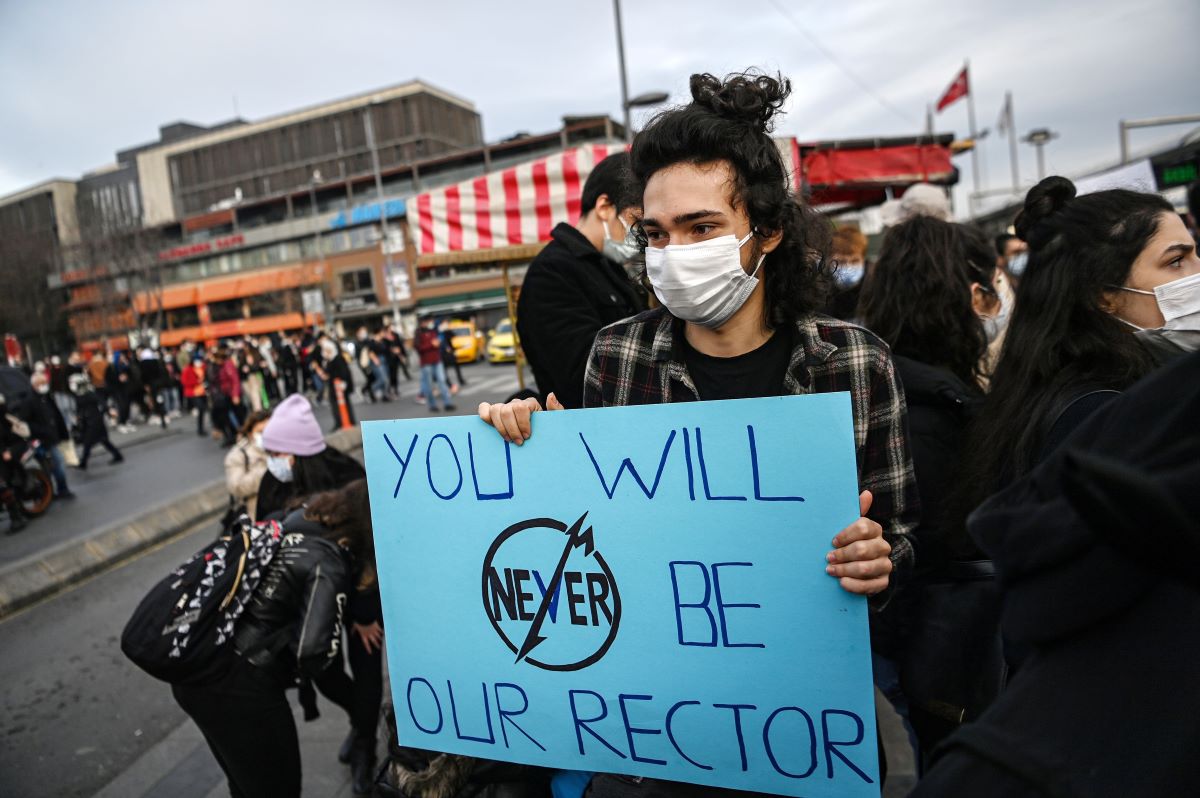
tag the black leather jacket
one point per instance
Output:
(293, 625)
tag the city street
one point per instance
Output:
(158, 469)
(75, 713)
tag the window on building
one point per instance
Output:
(228, 310)
(275, 302)
(358, 281)
(182, 317)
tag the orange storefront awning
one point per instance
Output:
(238, 327)
(216, 289)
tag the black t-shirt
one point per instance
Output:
(759, 372)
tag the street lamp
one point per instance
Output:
(1039, 137)
(644, 99)
(313, 182)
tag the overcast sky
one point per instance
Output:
(80, 80)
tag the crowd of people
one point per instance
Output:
(1024, 422)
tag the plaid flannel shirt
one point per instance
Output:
(637, 362)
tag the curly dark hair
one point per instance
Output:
(730, 121)
(1060, 339)
(918, 298)
(345, 513)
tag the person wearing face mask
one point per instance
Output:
(245, 465)
(577, 284)
(850, 256)
(1076, 336)
(49, 428)
(1012, 255)
(934, 298)
(299, 463)
(335, 370)
(741, 269)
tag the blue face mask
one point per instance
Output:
(1017, 264)
(848, 275)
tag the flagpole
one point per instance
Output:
(929, 120)
(971, 124)
(1012, 142)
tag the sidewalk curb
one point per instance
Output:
(33, 578)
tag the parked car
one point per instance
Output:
(502, 343)
(466, 339)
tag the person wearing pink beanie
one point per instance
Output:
(293, 429)
(299, 463)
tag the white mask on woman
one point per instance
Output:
(280, 468)
(1179, 303)
(702, 282)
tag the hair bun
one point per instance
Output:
(747, 97)
(1043, 201)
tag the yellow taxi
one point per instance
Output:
(466, 340)
(502, 343)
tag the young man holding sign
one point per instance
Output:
(737, 263)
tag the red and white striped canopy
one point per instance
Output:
(519, 205)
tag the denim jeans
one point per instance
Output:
(57, 467)
(434, 373)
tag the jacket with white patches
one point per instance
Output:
(293, 624)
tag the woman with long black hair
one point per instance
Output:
(934, 297)
(291, 627)
(1073, 343)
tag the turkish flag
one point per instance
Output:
(960, 88)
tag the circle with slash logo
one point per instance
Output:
(550, 595)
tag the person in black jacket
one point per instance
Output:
(291, 627)
(577, 285)
(90, 412)
(1108, 695)
(300, 463)
(933, 297)
(49, 428)
(335, 371)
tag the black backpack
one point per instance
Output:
(182, 631)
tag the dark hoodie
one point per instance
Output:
(1095, 551)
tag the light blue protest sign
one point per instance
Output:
(635, 590)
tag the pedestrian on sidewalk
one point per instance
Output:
(337, 375)
(49, 429)
(59, 372)
(246, 464)
(450, 358)
(433, 372)
(195, 391)
(154, 384)
(11, 447)
(227, 395)
(91, 421)
(245, 715)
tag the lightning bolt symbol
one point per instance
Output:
(575, 539)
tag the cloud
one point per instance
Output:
(83, 80)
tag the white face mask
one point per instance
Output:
(702, 282)
(280, 468)
(994, 326)
(1179, 303)
(619, 252)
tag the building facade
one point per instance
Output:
(274, 225)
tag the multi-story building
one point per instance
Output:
(295, 220)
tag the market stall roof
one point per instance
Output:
(851, 174)
(503, 215)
